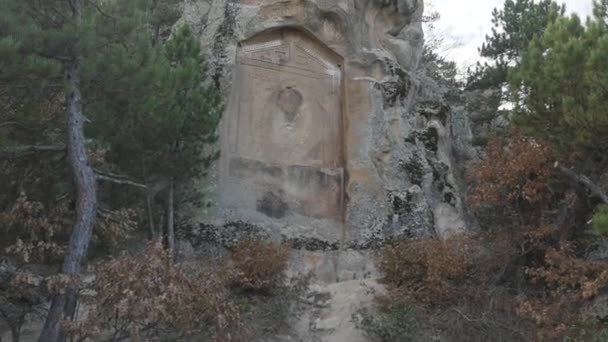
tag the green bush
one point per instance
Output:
(600, 220)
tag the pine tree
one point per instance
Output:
(514, 27)
(57, 32)
(160, 112)
(144, 97)
(561, 85)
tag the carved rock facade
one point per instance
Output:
(325, 139)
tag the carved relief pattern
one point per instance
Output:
(285, 115)
(275, 54)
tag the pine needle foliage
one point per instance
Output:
(513, 27)
(561, 85)
(600, 220)
(157, 111)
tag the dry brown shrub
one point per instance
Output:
(553, 320)
(453, 287)
(20, 298)
(482, 313)
(426, 271)
(565, 274)
(31, 235)
(33, 232)
(37, 234)
(138, 297)
(510, 285)
(114, 227)
(260, 266)
(539, 237)
(509, 187)
(566, 284)
(513, 170)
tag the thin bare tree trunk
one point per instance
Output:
(150, 217)
(170, 219)
(149, 198)
(64, 305)
(25, 150)
(16, 335)
(161, 224)
(16, 330)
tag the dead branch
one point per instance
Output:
(14, 123)
(151, 189)
(22, 150)
(585, 182)
(119, 180)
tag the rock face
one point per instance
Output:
(325, 139)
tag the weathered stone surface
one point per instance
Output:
(325, 137)
(334, 266)
(334, 308)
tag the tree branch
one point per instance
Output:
(119, 180)
(58, 58)
(14, 123)
(21, 150)
(152, 189)
(101, 11)
(585, 182)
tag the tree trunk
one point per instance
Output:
(150, 217)
(160, 237)
(63, 306)
(149, 199)
(584, 182)
(170, 220)
(15, 335)
(16, 329)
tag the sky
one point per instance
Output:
(465, 23)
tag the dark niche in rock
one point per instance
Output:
(430, 139)
(272, 204)
(415, 170)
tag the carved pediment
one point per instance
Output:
(269, 53)
(291, 51)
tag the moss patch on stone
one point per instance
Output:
(402, 205)
(415, 170)
(430, 139)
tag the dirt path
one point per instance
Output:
(328, 315)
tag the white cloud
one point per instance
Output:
(465, 24)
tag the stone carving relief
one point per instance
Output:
(283, 129)
(303, 110)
